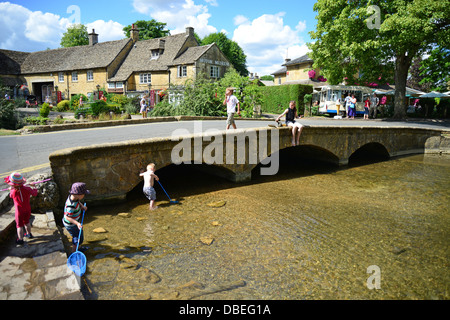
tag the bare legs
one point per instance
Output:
(297, 129)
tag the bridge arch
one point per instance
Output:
(112, 170)
(370, 152)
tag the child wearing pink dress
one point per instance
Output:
(21, 197)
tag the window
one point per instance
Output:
(74, 76)
(145, 78)
(90, 75)
(182, 71)
(111, 85)
(155, 54)
(214, 72)
(119, 85)
(61, 76)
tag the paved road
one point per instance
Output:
(29, 153)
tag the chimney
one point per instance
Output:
(134, 34)
(93, 38)
(190, 31)
(287, 60)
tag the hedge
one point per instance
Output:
(276, 98)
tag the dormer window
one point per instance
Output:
(156, 53)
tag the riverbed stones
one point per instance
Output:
(208, 240)
(217, 204)
(124, 215)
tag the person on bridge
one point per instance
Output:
(21, 197)
(231, 102)
(149, 180)
(297, 128)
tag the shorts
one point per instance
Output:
(366, 110)
(230, 120)
(150, 193)
(23, 219)
(74, 232)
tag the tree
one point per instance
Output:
(415, 78)
(354, 36)
(230, 49)
(435, 70)
(76, 35)
(148, 29)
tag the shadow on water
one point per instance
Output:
(123, 256)
(191, 179)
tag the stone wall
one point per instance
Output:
(112, 170)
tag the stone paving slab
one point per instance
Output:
(38, 270)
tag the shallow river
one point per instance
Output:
(310, 232)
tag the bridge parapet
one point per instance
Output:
(112, 170)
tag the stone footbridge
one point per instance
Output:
(112, 170)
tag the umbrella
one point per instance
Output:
(434, 94)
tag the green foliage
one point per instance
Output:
(63, 105)
(75, 101)
(98, 107)
(76, 35)
(118, 99)
(343, 44)
(435, 70)
(230, 49)
(151, 29)
(276, 98)
(44, 110)
(204, 97)
(38, 121)
(8, 116)
(267, 78)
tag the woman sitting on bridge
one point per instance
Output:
(291, 115)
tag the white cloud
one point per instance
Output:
(178, 14)
(25, 30)
(267, 41)
(107, 30)
(240, 19)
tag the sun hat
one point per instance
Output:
(15, 179)
(79, 188)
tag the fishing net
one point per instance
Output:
(77, 263)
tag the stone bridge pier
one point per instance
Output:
(112, 170)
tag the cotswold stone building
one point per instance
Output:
(127, 66)
(296, 72)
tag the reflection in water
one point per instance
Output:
(311, 232)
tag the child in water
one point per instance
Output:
(149, 179)
(73, 210)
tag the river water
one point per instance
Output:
(368, 231)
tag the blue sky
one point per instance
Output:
(268, 31)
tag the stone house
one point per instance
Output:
(10, 70)
(296, 72)
(153, 65)
(126, 66)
